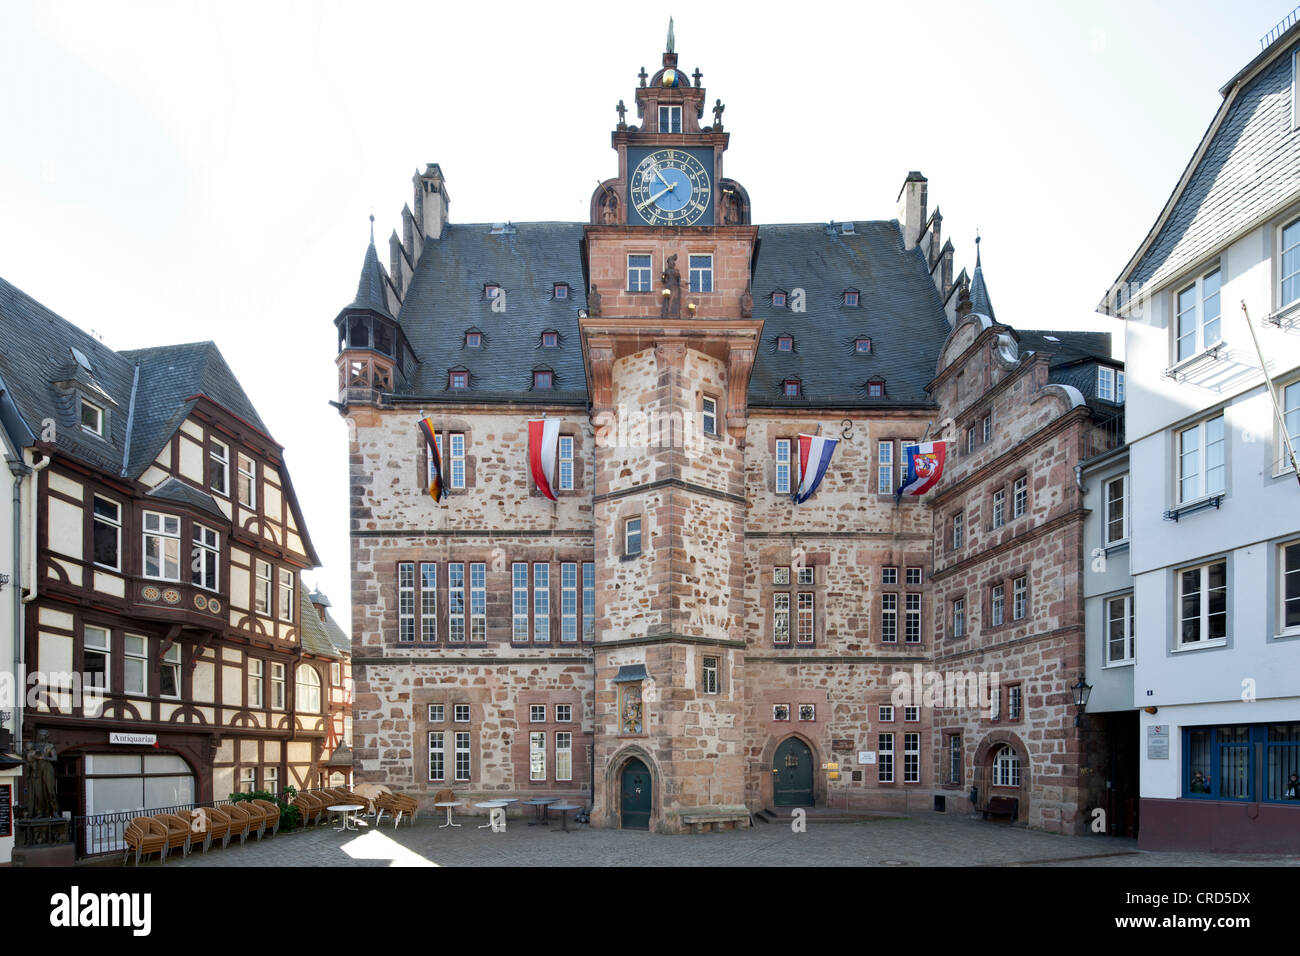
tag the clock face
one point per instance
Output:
(671, 187)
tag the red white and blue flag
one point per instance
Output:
(543, 442)
(924, 466)
(814, 458)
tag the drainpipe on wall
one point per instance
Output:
(1078, 478)
(33, 470)
(18, 468)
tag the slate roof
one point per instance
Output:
(1073, 360)
(1250, 165)
(980, 303)
(370, 287)
(340, 640)
(311, 629)
(445, 298)
(175, 490)
(899, 310)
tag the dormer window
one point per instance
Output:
(491, 290)
(862, 346)
(778, 299)
(550, 340)
(473, 340)
(792, 388)
(543, 378)
(92, 418)
(670, 119)
(851, 298)
(560, 290)
(784, 343)
(1110, 385)
(876, 388)
(458, 380)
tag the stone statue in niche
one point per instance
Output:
(672, 280)
(593, 301)
(609, 208)
(38, 771)
(746, 304)
(731, 212)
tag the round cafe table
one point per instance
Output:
(489, 806)
(348, 811)
(540, 804)
(449, 804)
(564, 809)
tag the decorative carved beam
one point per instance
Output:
(740, 362)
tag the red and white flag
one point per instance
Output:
(543, 443)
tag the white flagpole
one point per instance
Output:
(1268, 387)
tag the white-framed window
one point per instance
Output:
(995, 704)
(959, 617)
(804, 575)
(460, 713)
(566, 462)
(271, 778)
(638, 272)
(970, 440)
(537, 713)
(710, 675)
(563, 755)
(1202, 604)
(1006, 768)
(456, 603)
(912, 619)
(462, 755)
(997, 605)
(541, 602)
(563, 713)
(911, 758)
(478, 602)
(519, 601)
(885, 713)
(913, 576)
(307, 690)
(336, 674)
(92, 418)
(568, 601)
(437, 755)
(781, 618)
(1116, 504)
(262, 597)
(781, 576)
(588, 598)
(988, 427)
(1290, 401)
(632, 536)
(954, 759)
(286, 594)
(998, 512)
(1289, 237)
(97, 655)
(783, 466)
(1019, 598)
(701, 272)
(958, 529)
(1196, 309)
(256, 678)
(247, 779)
(278, 685)
(1109, 384)
(1015, 702)
(1288, 566)
(247, 481)
(889, 618)
(169, 672)
(537, 755)
(428, 602)
(219, 467)
(805, 608)
(889, 576)
(205, 558)
(1119, 629)
(457, 461)
(710, 415)
(1201, 468)
(162, 546)
(106, 539)
(437, 713)
(1020, 496)
(135, 665)
(911, 715)
(885, 767)
(670, 119)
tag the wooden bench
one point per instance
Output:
(1002, 807)
(701, 821)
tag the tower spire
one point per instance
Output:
(372, 228)
(672, 46)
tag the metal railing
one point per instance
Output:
(1282, 26)
(1104, 435)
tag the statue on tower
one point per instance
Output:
(672, 295)
(718, 107)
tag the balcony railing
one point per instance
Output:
(1105, 435)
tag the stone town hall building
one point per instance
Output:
(673, 639)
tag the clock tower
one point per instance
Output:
(669, 340)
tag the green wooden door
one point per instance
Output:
(792, 777)
(634, 796)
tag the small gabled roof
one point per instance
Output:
(311, 629)
(178, 492)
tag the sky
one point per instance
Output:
(175, 172)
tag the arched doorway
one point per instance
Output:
(792, 774)
(635, 791)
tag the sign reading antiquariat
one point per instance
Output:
(140, 740)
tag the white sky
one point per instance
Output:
(175, 172)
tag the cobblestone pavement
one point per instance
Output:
(918, 841)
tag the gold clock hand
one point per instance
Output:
(641, 206)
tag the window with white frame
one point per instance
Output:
(889, 576)
(537, 713)
(563, 713)
(885, 769)
(885, 713)
(970, 440)
(460, 713)
(568, 601)
(998, 511)
(1290, 401)
(1202, 604)
(805, 623)
(262, 597)
(478, 602)
(638, 273)
(247, 779)
(913, 576)
(1201, 469)
(1006, 768)
(428, 602)
(456, 603)
(541, 602)
(97, 655)
(958, 529)
(988, 428)
(670, 119)
(162, 546)
(256, 678)
(437, 713)
(1019, 496)
(566, 462)
(1108, 384)
(889, 618)
(271, 779)
(782, 466)
(1288, 563)
(457, 461)
(286, 594)
(107, 534)
(588, 598)
(912, 619)
(135, 665)
(1015, 702)
(307, 690)
(710, 414)
(959, 617)
(1119, 629)
(563, 755)
(92, 418)
(911, 714)
(1116, 505)
(169, 672)
(632, 536)
(462, 755)
(997, 605)
(1197, 316)
(781, 618)
(885, 468)
(701, 272)
(205, 563)
(1019, 598)
(1290, 263)
(219, 467)
(710, 675)
(437, 755)
(804, 574)
(911, 758)
(277, 685)
(519, 601)
(247, 481)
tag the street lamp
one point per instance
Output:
(1082, 691)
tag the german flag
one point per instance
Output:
(435, 460)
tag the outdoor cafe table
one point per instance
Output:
(541, 804)
(449, 804)
(491, 805)
(348, 810)
(564, 809)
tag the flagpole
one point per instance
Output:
(1268, 387)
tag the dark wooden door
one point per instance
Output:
(634, 798)
(792, 781)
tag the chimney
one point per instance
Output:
(936, 236)
(431, 202)
(397, 264)
(912, 201)
(320, 602)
